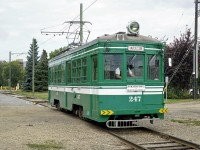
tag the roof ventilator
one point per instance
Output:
(120, 36)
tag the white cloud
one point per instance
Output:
(21, 20)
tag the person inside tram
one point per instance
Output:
(129, 70)
(117, 73)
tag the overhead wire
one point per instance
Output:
(179, 65)
(65, 27)
(62, 30)
(185, 55)
(46, 40)
(86, 9)
(52, 26)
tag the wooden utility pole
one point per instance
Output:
(9, 71)
(33, 69)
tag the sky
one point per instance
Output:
(23, 20)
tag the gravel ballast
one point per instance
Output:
(23, 123)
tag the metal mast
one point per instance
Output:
(75, 30)
(81, 24)
(33, 69)
(195, 52)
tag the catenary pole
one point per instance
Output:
(33, 69)
(9, 71)
(195, 52)
(81, 23)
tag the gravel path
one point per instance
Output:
(189, 112)
(23, 123)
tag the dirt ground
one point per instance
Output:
(23, 124)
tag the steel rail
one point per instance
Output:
(131, 144)
(174, 139)
(172, 143)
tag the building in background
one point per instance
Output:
(23, 63)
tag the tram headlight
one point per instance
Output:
(133, 27)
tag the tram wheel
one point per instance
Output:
(80, 114)
(58, 106)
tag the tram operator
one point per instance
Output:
(130, 73)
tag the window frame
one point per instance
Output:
(121, 55)
(158, 68)
(143, 66)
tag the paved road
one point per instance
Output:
(7, 100)
(22, 123)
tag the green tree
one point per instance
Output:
(1, 73)
(57, 52)
(178, 50)
(17, 72)
(41, 73)
(27, 86)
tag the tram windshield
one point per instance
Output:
(153, 67)
(112, 66)
(134, 65)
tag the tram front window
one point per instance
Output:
(134, 65)
(153, 67)
(112, 66)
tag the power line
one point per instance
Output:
(179, 65)
(86, 9)
(41, 43)
(45, 41)
(63, 29)
(52, 26)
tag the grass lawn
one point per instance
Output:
(39, 95)
(46, 145)
(174, 101)
(44, 96)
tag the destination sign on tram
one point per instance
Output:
(136, 88)
(135, 48)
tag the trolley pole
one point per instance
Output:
(81, 24)
(195, 52)
(33, 69)
(9, 71)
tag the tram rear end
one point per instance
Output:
(136, 93)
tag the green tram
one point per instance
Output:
(117, 79)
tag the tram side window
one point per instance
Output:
(78, 70)
(94, 68)
(51, 76)
(59, 74)
(84, 70)
(74, 71)
(68, 72)
(62, 72)
(153, 67)
(55, 76)
(134, 65)
(112, 65)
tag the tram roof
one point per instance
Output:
(120, 36)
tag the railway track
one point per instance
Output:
(152, 140)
